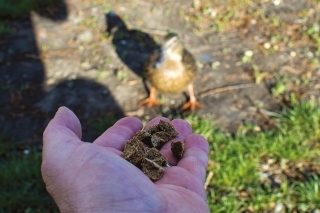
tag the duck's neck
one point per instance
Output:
(168, 55)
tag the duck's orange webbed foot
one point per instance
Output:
(192, 105)
(150, 102)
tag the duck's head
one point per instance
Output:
(172, 47)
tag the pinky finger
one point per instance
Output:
(195, 157)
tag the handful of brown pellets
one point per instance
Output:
(143, 149)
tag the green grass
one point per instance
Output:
(16, 8)
(22, 189)
(4, 28)
(235, 162)
(11, 9)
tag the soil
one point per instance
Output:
(73, 54)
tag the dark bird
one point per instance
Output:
(171, 69)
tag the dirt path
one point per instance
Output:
(70, 58)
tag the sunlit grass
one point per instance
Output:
(236, 162)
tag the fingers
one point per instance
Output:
(181, 126)
(184, 129)
(178, 176)
(195, 157)
(155, 121)
(117, 135)
(191, 169)
(196, 147)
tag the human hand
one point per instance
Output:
(93, 177)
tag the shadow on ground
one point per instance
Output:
(132, 46)
(26, 106)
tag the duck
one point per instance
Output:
(171, 69)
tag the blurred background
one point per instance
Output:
(258, 81)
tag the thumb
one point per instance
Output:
(64, 117)
(60, 138)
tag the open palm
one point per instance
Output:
(93, 177)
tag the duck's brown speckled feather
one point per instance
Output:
(173, 76)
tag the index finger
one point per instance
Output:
(181, 126)
(117, 135)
